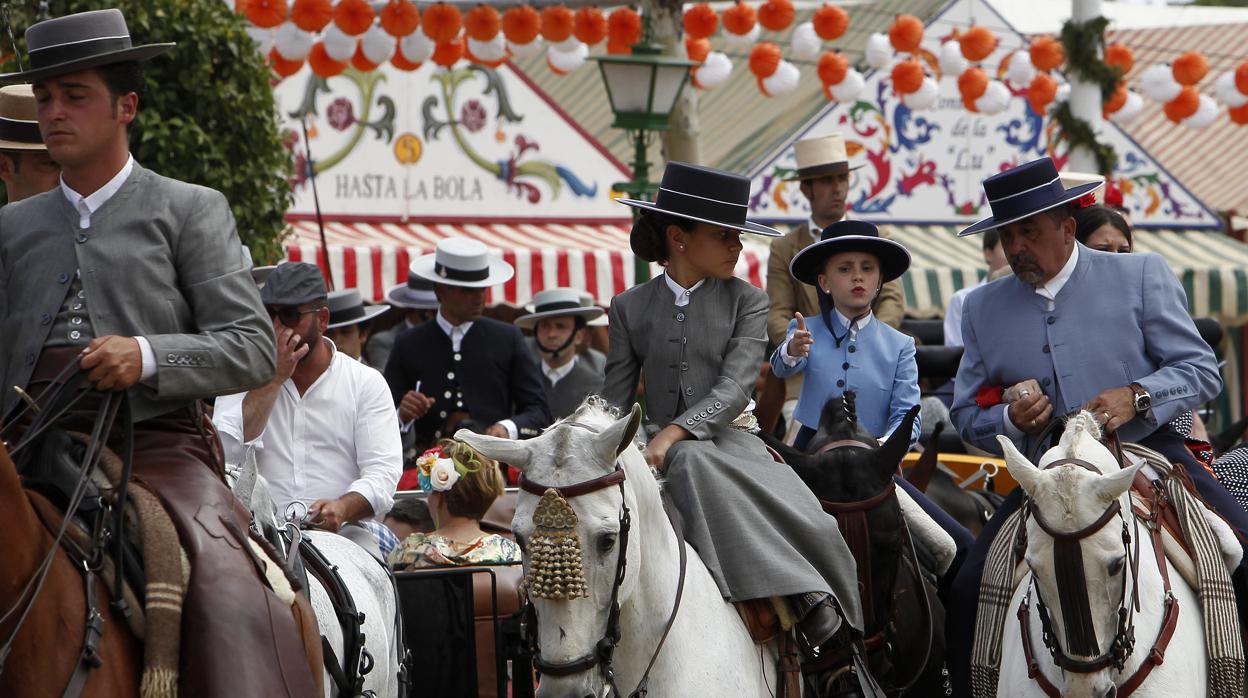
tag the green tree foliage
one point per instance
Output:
(209, 116)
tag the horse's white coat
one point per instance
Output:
(370, 586)
(1070, 498)
(923, 527)
(708, 652)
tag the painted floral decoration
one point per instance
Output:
(341, 114)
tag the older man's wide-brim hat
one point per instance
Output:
(705, 195)
(850, 236)
(416, 294)
(1030, 188)
(823, 156)
(346, 308)
(462, 262)
(79, 41)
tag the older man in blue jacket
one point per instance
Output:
(1074, 329)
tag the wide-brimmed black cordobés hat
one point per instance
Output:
(850, 236)
(1024, 191)
(703, 194)
(77, 42)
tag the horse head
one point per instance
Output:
(839, 422)
(1079, 547)
(573, 537)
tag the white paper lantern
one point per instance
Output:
(1130, 108)
(879, 50)
(1205, 114)
(567, 61)
(995, 99)
(783, 81)
(264, 38)
(339, 45)
(923, 98)
(952, 62)
(568, 45)
(1228, 94)
(528, 50)
(804, 45)
(741, 42)
(489, 51)
(377, 45)
(1063, 92)
(1158, 83)
(416, 47)
(713, 72)
(847, 90)
(1021, 71)
(292, 42)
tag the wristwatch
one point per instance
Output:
(1143, 401)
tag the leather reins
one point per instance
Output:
(604, 651)
(1074, 601)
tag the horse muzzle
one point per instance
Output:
(586, 685)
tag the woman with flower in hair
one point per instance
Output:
(461, 485)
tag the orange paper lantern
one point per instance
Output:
(360, 62)
(353, 17)
(972, 83)
(623, 30)
(832, 67)
(312, 15)
(1116, 100)
(1047, 53)
(1183, 105)
(1190, 68)
(557, 22)
(398, 61)
(764, 59)
(281, 66)
(590, 26)
(521, 25)
(448, 54)
(265, 14)
(1120, 56)
(740, 18)
(1041, 92)
(1241, 77)
(697, 49)
(830, 22)
(1239, 114)
(776, 15)
(906, 34)
(977, 43)
(321, 64)
(907, 76)
(442, 22)
(700, 21)
(482, 23)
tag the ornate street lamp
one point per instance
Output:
(643, 88)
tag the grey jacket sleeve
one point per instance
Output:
(623, 369)
(233, 349)
(743, 357)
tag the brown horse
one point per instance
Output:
(48, 647)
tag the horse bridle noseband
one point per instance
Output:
(604, 650)
(1076, 608)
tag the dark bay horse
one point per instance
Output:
(47, 649)
(852, 476)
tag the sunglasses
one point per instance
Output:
(290, 316)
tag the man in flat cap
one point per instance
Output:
(25, 167)
(324, 429)
(140, 280)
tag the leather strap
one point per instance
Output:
(860, 505)
(841, 443)
(89, 658)
(569, 491)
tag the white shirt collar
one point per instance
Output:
(554, 374)
(857, 326)
(680, 292)
(450, 330)
(813, 228)
(87, 205)
(1050, 290)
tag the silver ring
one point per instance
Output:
(1024, 393)
(1107, 417)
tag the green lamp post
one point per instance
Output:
(643, 88)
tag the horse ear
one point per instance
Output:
(1112, 486)
(1021, 469)
(615, 438)
(889, 455)
(513, 453)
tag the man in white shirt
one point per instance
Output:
(994, 257)
(558, 325)
(325, 431)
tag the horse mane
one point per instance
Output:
(1078, 427)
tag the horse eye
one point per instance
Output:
(1116, 566)
(605, 543)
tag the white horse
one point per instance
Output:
(1068, 498)
(708, 651)
(371, 587)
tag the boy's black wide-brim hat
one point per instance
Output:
(79, 41)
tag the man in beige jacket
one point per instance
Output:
(823, 171)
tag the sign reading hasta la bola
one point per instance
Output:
(472, 143)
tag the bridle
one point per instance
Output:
(1076, 608)
(603, 653)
